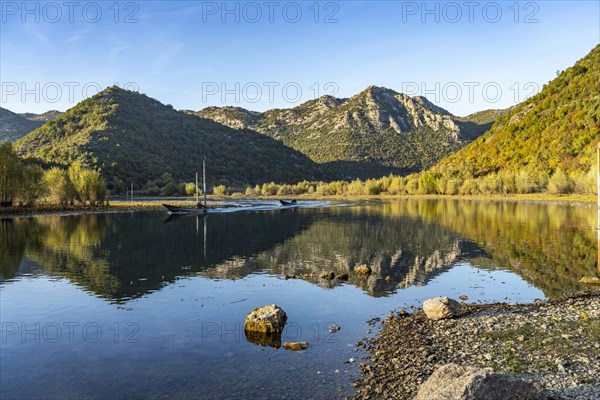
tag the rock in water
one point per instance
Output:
(266, 319)
(441, 308)
(455, 382)
(363, 269)
(295, 346)
(342, 277)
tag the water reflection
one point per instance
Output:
(405, 243)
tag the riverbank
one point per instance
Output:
(150, 204)
(554, 342)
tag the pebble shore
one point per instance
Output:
(554, 342)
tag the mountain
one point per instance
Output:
(13, 126)
(45, 117)
(134, 138)
(375, 132)
(557, 128)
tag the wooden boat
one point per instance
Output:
(288, 203)
(200, 208)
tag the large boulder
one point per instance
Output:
(441, 308)
(267, 319)
(455, 382)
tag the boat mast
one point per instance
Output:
(197, 199)
(204, 179)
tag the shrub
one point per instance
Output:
(586, 183)
(560, 183)
(190, 188)
(219, 190)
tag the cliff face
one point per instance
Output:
(377, 126)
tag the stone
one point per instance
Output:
(342, 277)
(455, 382)
(363, 269)
(267, 319)
(295, 346)
(590, 280)
(441, 308)
(463, 297)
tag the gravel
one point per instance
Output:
(555, 342)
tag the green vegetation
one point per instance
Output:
(130, 137)
(554, 132)
(24, 184)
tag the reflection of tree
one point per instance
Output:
(13, 236)
(71, 246)
(551, 246)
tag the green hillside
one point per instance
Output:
(133, 138)
(556, 129)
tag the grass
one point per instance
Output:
(550, 343)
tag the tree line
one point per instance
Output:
(447, 182)
(24, 183)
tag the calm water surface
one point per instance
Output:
(145, 306)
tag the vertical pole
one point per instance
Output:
(197, 200)
(204, 179)
(131, 191)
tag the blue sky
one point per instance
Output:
(464, 56)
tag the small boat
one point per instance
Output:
(200, 208)
(288, 203)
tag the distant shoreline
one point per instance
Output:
(153, 204)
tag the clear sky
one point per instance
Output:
(464, 56)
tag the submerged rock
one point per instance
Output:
(452, 381)
(266, 319)
(441, 308)
(295, 346)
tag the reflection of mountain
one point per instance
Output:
(401, 251)
(405, 243)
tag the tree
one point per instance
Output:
(560, 183)
(10, 174)
(58, 184)
(32, 186)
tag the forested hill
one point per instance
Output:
(374, 132)
(133, 138)
(14, 126)
(556, 129)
